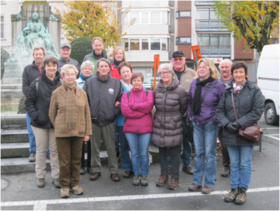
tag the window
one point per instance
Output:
(183, 40)
(145, 44)
(206, 14)
(150, 17)
(155, 44)
(164, 44)
(1, 26)
(145, 17)
(183, 14)
(134, 44)
(136, 16)
(155, 17)
(125, 44)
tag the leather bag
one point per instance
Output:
(251, 133)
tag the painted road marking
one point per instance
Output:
(40, 203)
(40, 206)
(270, 136)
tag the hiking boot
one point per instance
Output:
(162, 180)
(232, 195)
(32, 157)
(55, 182)
(144, 181)
(40, 182)
(206, 190)
(225, 172)
(136, 180)
(82, 171)
(64, 192)
(173, 184)
(241, 197)
(194, 187)
(188, 170)
(126, 174)
(77, 190)
(169, 170)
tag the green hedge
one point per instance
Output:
(81, 47)
(4, 57)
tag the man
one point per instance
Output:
(226, 78)
(185, 75)
(104, 96)
(98, 52)
(30, 73)
(65, 51)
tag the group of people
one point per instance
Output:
(107, 101)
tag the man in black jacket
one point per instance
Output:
(30, 73)
(104, 96)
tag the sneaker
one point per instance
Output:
(77, 190)
(206, 190)
(162, 180)
(173, 184)
(241, 197)
(64, 192)
(194, 187)
(144, 181)
(55, 182)
(32, 157)
(225, 173)
(188, 170)
(40, 182)
(136, 180)
(232, 195)
(82, 170)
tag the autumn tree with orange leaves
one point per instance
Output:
(93, 19)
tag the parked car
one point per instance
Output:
(268, 81)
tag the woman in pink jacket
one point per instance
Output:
(136, 106)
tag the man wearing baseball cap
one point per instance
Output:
(65, 51)
(185, 75)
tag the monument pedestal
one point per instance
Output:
(12, 74)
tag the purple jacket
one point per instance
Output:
(209, 104)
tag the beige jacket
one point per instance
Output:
(186, 78)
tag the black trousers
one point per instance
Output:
(175, 157)
(88, 154)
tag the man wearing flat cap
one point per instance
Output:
(65, 51)
(185, 75)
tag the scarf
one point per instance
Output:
(71, 105)
(84, 78)
(127, 87)
(238, 88)
(118, 62)
(196, 102)
(98, 56)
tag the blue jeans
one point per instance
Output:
(32, 141)
(139, 147)
(205, 161)
(125, 159)
(240, 165)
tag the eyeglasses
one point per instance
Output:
(203, 68)
(165, 73)
(178, 59)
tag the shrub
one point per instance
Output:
(81, 47)
(4, 57)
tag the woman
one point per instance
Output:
(37, 106)
(70, 115)
(87, 68)
(171, 104)
(136, 106)
(125, 70)
(203, 97)
(118, 57)
(249, 103)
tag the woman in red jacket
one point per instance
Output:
(136, 106)
(118, 57)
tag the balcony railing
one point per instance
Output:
(204, 2)
(209, 25)
(215, 50)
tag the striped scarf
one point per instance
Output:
(71, 106)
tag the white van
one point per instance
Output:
(268, 81)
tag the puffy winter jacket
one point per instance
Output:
(171, 104)
(114, 71)
(137, 111)
(249, 106)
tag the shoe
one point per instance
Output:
(188, 170)
(32, 157)
(144, 181)
(40, 182)
(169, 170)
(173, 184)
(206, 190)
(55, 182)
(232, 195)
(64, 192)
(77, 190)
(241, 197)
(82, 170)
(136, 180)
(225, 173)
(126, 174)
(95, 175)
(48, 157)
(162, 180)
(89, 169)
(115, 177)
(194, 187)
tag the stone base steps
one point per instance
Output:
(14, 136)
